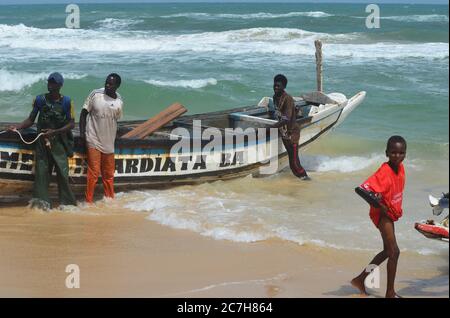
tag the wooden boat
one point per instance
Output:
(149, 162)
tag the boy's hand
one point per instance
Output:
(384, 209)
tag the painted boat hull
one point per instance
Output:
(149, 163)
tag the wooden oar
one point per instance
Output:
(147, 128)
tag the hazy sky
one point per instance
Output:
(311, 1)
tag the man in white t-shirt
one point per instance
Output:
(98, 129)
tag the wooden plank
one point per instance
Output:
(158, 121)
(141, 128)
(147, 128)
(163, 121)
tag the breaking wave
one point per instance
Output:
(199, 83)
(428, 18)
(16, 81)
(419, 18)
(253, 41)
(117, 24)
(342, 164)
(258, 15)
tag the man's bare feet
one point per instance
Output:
(358, 283)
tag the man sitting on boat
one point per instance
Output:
(286, 114)
(56, 120)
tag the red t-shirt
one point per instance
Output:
(390, 185)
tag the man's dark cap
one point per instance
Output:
(57, 77)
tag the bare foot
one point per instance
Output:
(358, 283)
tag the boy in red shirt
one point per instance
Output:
(388, 184)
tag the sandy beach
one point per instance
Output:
(125, 255)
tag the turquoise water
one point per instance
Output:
(217, 56)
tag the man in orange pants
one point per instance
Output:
(99, 164)
(98, 129)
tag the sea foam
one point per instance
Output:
(16, 81)
(248, 16)
(253, 41)
(342, 164)
(195, 83)
(419, 18)
(117, 24)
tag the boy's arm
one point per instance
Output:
(374, 199)
(384, 209)
(391, 207)
(377, 184)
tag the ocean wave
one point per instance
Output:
(215, 217)
(16, 81)
(252, 41)
(117, 24)
(198, 83)
(418, 18)
(258, 15)
(225, 212)
(413, 18)
(259, 209)
(342, 164)
(74, 76)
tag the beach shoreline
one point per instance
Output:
(125, 255)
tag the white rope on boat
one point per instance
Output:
(23, 140)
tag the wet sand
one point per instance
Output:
(124, 255)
